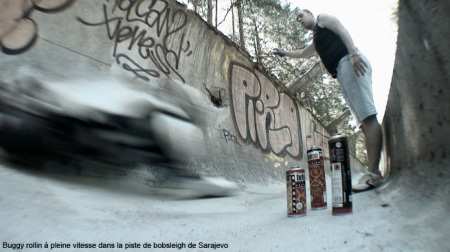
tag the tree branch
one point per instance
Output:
(226, 14)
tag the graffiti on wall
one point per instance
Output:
(18, 31)
(230, 137)
(262, 114)
(152, 29)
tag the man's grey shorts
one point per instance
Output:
(357, 91)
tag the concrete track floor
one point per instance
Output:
(47, 208)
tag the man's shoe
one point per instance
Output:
(368, 181)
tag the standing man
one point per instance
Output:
(334, 45)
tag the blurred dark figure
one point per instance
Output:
(110, 122)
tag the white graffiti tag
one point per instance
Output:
(262, 114)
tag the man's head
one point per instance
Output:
(306, 18)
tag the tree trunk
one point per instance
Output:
(217, 8)
(240, 24)
(257, 41)
(210, 12)
(194, 3)
(232, 19)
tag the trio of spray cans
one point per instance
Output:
(341, 180)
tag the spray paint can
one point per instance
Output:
(341, 177)
(317, 182)
(296, 192)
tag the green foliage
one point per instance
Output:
(323, 98)
(270, 24)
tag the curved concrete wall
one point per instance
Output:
(254, 132)
(417, 121)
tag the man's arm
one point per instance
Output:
(306, 52)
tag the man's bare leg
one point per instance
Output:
(374, 140)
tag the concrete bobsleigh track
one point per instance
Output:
(94, 206)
